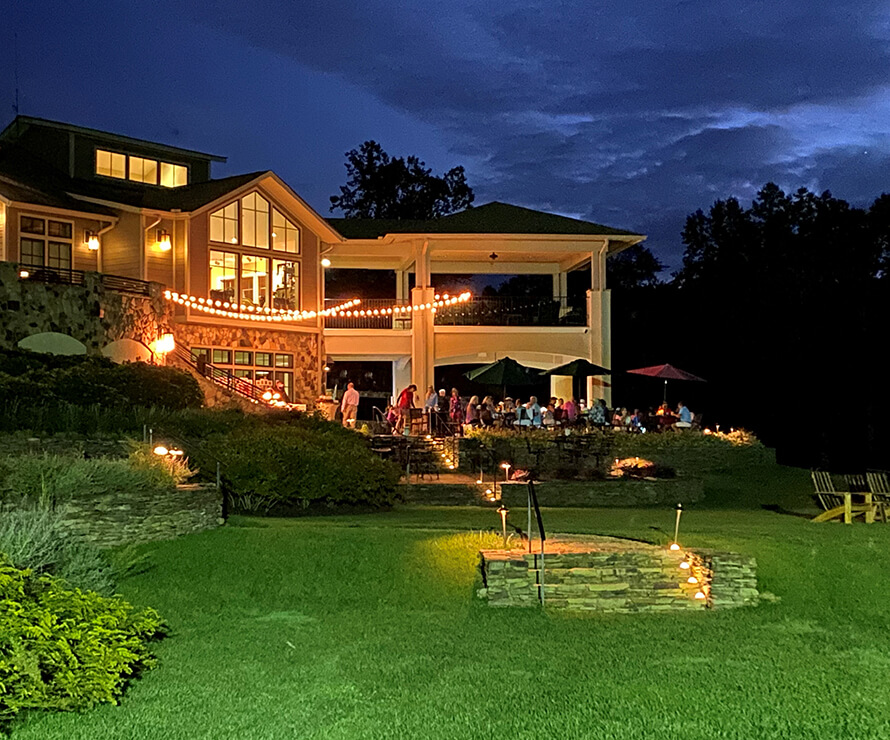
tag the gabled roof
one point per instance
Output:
(19, 123)
(491, 218)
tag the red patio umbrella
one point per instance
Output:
(667, 372)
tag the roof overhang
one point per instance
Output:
(471, 253)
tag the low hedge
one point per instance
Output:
(269, 468)
(67, 649)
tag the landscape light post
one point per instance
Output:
(675, 545)
(503, 511)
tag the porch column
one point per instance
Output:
(402, 290)
(560, 291)
(422, 340)
(599, 318)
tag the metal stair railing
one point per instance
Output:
(221, 377)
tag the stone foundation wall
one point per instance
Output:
(618, 576)
(141, 516)
(89, 313)
(306, 348)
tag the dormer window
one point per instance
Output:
(140, 169)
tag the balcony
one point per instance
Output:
(478, 311)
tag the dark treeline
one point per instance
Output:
(783, 307)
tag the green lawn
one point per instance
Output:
(367, 627)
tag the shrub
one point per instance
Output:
(66, 649)
(269, 467)
(55, 478)
(34, 538)
(694, 453)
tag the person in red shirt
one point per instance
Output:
(404, 405)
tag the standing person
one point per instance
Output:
(472, 417)
(349, 406)
(570, 411)
(455, 409)
(404, 405)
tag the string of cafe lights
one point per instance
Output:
(349, 309)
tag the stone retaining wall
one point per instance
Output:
(580, 494)
(617, 492)
(122, 518)
(618, 576)
(89, 313)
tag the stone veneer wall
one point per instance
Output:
(89, 313)
(304, 346)
(141, 516)
(619, 577)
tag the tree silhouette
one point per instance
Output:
(384, 187)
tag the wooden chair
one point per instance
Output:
(839, 504)
(880, 492)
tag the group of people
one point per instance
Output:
(442, 412)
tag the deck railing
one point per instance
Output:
(478, 311)
(65, 276)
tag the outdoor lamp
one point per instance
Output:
(164, 240)
(506, 467)
(503, 511)
(91, 239)
(161, 450)
(164, 345)
(267, 396)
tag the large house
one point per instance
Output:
(243, 262)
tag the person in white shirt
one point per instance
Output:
(349, 406)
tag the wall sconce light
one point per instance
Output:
(91, 239)
(164, 240)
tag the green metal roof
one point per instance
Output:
(491, 218)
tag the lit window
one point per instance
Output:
(45, 242)
(224, 224)
(254, 280)
(223, 275)
(174, 175)
(111, 164)
(284, 360)
(255, 215)
(264, 359)
(287, 379)
(285, 236)
(144, 170)
(222, 357)
(285, 284)
(243, 358)
(242, 373)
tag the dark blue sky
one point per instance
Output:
(630, 113)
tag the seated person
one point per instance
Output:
(472, 415)
(684, 416)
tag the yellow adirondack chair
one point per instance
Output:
(839, 504)
(880, 492)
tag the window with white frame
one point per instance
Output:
(45, 242)
(140, 169)
(247, 274)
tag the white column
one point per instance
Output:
(422, 340)
(599, 317)
(402, 289)
(401, 376)
(560, 291)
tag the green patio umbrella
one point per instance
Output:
(504, 372)
(578, 369)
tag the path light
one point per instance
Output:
(674, 545)
(684, 565)
(503, 511)
(506, 467)
(161, 450)
(692, 579)
(699, 594)
(175, 453)
(267, 396)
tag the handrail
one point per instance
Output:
(221, 376)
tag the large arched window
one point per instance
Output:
(256, 262)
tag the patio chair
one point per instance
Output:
(838, 504)
(880, 491)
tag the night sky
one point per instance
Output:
(631, 114)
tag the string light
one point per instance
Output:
(348, 309)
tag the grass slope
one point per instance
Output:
(366, 627)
